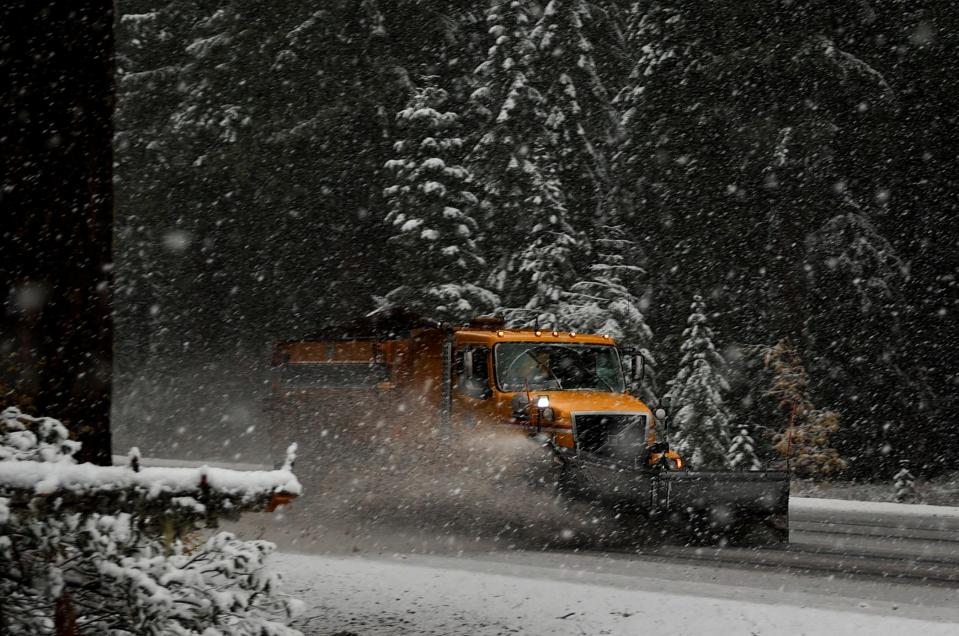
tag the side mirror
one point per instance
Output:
(519, 406)
(660, 414)
(637, 363)
(468, 364)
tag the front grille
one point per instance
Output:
(614, 435)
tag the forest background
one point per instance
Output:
(589, 165)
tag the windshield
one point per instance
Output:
(557, 366)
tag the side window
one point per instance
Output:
(472, 365)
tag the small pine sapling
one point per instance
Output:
(742, 452)
(905, 483)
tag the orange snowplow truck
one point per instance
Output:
(396, 376)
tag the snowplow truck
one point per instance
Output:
(564, 391)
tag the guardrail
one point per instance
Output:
(928, 533)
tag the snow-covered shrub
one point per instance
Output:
(106, 569)
(27, 438)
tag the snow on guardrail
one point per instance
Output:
(166, 462)
(50, 477)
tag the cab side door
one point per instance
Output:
(473, 403)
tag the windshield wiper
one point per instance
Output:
(606, 382)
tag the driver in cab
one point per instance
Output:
(533, 367)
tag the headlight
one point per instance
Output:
(549, 414)
(542, 402)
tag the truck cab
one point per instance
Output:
(568, 387)
(385, 382)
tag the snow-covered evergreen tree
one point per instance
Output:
(701, 423)
(544, 270)
(742, 452)
(151, 63)
(654, 125)
(580, 114)
(431, 215)
(514, 164)
(804, 442)
(510, 110)
(605, 302)
(855, 344)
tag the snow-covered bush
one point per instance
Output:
(27, 438)
(103, 568)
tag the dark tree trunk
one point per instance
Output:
(56, 201)
(64, 616)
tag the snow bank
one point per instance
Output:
(826, 506)
(876, 513)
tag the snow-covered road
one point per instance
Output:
(398, 570)
(556, 593)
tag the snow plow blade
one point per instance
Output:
(745, 507)
(727, 504)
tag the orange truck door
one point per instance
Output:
(473, 403)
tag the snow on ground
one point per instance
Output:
(825, 508)
(940, 491)
(530, 593)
